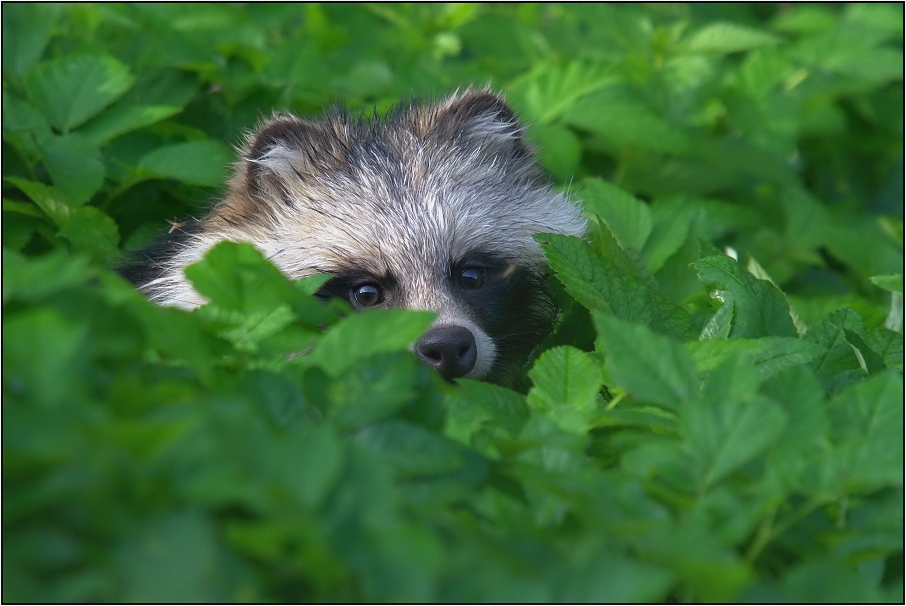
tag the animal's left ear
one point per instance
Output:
(478, 113)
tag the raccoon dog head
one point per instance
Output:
(432, 207)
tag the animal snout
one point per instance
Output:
(450, 350)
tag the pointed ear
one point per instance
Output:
(480, 114)
(286, 149)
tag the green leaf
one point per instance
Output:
(246, 330)
(174, 333)
(476, 406)
(93, 231)
(54, 202)
(729, 425)
(735, 378)
(627, 123)
(627, 217)
(875, 64)
(846, 239)
(760, 308)
(605, 277)
(549, 91)
(886, 19)
(72, 89)
(755, 268)
(74, 165)
(725, 37)
(181, 547)
(867, 419)
(27, 28)
(805, 18)
(367, 78)
(123, 118)
(19, 115)
(718, 327)
(671, 221)
(413, 450)
(372, 389)
(559, 149)
(361, 335)
(711, 568)
(566, 384)
(619, 579)
(807, 220)
(22, 208)
(195, 162)
(800, 457)
(32, 279)
(237, 278)
(44, 355)
(846, 358)
(650, 366)
(892, 283)
(309, 462)
(823, 580)
(762, 71)
(770, 354)
(888, 344)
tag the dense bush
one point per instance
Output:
(718, 415)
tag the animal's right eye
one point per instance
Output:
(367, 295)
(472, 278)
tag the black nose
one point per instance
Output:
(450, 350)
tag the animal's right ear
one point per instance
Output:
(483, 116)
(285, 149)
(477, 112)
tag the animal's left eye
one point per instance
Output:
(471, 278)
(368, 295)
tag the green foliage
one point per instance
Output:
(718, 415)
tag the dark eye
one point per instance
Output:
(471, 278)
(367, 295)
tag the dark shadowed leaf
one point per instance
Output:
(92, 231)
(74, 165)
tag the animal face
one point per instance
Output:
(432, 207)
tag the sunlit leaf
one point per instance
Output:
(196, 162)
(70, 90)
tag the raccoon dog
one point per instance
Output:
(432, 207)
